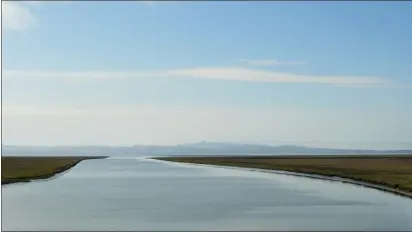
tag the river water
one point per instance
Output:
(134, 194)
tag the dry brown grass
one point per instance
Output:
(24, 169)
(390, 171)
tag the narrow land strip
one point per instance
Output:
(387, 173)
(25, 169)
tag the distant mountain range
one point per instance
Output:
(195, 149)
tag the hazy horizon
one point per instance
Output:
(158, 73)
(329, 145)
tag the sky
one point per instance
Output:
(125, 73)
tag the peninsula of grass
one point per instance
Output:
(25, 169)
(393, 172)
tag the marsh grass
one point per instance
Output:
(25, 169)
(390, 171)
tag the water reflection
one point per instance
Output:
(131, 194)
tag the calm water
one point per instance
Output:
(139, 194)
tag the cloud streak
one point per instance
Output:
(16, 17)
(258, 75)
(271, 62)
(156, 2)
(214, 73)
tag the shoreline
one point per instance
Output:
(46, 176)
(312, 175)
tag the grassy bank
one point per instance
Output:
(25, 169)
(390, 171)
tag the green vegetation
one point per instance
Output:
(25, 169)
(390, 171)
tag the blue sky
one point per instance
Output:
(126, 73)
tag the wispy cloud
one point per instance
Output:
(10, 109)
(270, 62)
(15, 74)
(45, 2)
(257, 75)
(146, 2)
(222, 73)
(16, 16)
(157, 2)
(32, 2)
